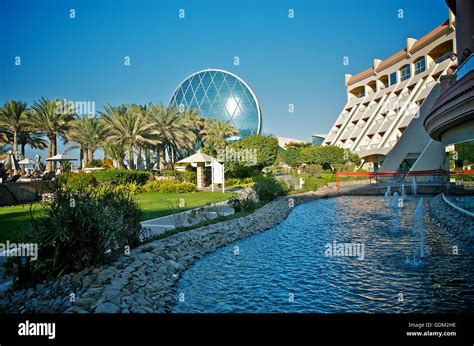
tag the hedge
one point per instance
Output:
(121, 176)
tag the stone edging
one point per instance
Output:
(145, 281)
(460, 225)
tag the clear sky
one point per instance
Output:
(298, 61)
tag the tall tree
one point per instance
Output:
(128, 126)
(89, 133)
(52, 117)
(176, 131)
(12, 118)
(217, 129)
(34, 139)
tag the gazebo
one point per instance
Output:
(199, 160)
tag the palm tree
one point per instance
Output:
(89, 133)
(114, 151)
(217, 129)
(12, 118)
(52, 118)
(128, 126)
(34, 139)
(176, 132)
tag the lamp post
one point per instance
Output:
(24, 272)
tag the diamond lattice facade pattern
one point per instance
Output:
(222, 95)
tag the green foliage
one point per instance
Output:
(168, 186)
(74, 236)
(296, 145)
(78, 181)
(244, 203)
(344, 167)
(94, 163)
(325, 156)
(266, 146)
(268, 188)
(313, 169)
(249, 181)
(314, 182)
(465, 153)
(185, 176)
(121, 176)
(291, 157)
(129, 188)
(239, 170)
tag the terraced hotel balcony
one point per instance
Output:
(453, 112)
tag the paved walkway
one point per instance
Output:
(187, 218)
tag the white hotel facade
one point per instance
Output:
(384, 100)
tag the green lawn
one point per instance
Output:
(158, 204)
(14, 219)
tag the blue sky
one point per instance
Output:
(298, 61)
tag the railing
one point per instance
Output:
(463, 69)
(437, 177)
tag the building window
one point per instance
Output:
(405, 72)
(420, 65)
(393, 78)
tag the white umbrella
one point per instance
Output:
(26, 161)
(61, 157)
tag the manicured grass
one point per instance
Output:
(16, 218)
(159, 204)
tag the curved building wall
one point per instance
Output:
(222, 95)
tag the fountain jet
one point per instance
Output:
(394, 211)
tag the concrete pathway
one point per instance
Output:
(187, 218)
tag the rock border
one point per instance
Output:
(145, 280)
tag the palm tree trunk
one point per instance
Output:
(147, 158)
(161, 156)
(139, 157)
(54, 151)
(23, 150)
(15, 143)
(130, 157)
(81, 157)
(49, 164)
(90, 154)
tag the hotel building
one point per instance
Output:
(386, 101)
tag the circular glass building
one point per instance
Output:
(223, 95)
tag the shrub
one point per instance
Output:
(238, 170)
(313, 170)
(168, 186)
(186, 176)
(291, 157)
(242, 204)
(268, 188)
(313, 183)
(94, 163)
(130, 188)
(71, 237)
(265, 145)
(344, 167)
(240, 181)
(121, 176)
(79, 180)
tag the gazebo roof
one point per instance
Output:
(198, 157)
